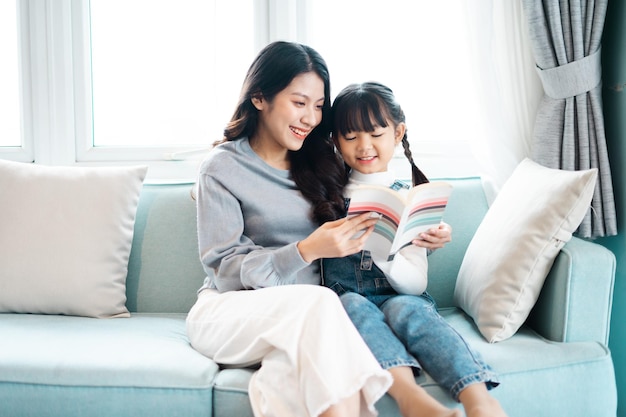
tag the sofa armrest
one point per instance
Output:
(575, 302)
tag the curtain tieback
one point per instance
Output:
(572, 79)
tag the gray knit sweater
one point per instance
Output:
(250, 218)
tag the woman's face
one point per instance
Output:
(285, 122)
(370, 152)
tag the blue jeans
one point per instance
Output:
(404, 330)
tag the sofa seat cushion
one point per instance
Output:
(534, 370)
(528, 352)
(65, 366)
(530, 368)
(147, 350)
(230, 394)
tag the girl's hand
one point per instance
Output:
(435, 237)
(335, 239)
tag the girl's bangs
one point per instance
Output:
(359, 114)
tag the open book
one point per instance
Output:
(402, 216)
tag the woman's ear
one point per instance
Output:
(258, 102)
(400, 132)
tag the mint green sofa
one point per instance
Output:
(558, 364)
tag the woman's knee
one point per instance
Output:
(319, 294)
(311, 299)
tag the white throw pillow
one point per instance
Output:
(65, 238)
(509, 257)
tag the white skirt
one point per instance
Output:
(311, 354)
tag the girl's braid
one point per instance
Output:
(417, 175)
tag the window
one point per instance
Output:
(163, 79)
(155, 81)
(162, 71)
(420, 52)
(10, 132)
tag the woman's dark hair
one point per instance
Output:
(359, 107)
(316, 167)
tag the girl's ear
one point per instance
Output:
(400, 132)
(258, 102)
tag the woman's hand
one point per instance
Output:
(435, 237)
(335, 239)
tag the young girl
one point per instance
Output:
(387, 301)
(260, 193)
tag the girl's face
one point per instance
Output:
(370, 152)
(285, 122)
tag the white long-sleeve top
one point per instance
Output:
(408, 271)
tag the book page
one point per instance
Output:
(390, 205)
(427, 203)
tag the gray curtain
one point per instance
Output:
(569, 130)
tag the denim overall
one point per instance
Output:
(403, 330)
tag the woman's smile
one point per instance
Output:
(300, 133)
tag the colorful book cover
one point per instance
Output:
(403, 216)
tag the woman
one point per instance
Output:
(261, 192)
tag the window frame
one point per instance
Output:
(25, 152)
(56, 97)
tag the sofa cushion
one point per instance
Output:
(164, 268)
(534, 371)
(523, 380)
(466, 208)
(146, 350)
(509, 257)
(66, 365)
(66, 238)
